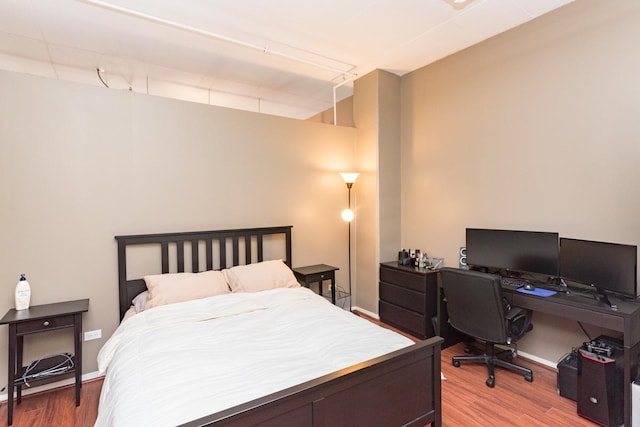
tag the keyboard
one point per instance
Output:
(511, 283)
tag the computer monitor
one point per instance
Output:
(514, 251)
(606, 266)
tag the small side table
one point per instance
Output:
(317, 273)
(37, 319)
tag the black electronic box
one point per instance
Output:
(568, 376)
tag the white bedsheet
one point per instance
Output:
(180, 362)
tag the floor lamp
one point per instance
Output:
(348, 215)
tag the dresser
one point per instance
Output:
(408, 298)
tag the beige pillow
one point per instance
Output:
(179, 287)
(260, 277)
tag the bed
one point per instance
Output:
(275, 356)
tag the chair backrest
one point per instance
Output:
(475, 304)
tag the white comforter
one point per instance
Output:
(180, 362)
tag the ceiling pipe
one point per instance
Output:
(335, 100)
(264, 49)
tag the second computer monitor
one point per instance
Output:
(606, 266)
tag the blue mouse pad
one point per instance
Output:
(538, 292)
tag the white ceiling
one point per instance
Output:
(281, 57)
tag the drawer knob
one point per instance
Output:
(46, 323)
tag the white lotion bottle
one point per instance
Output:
(23, 293)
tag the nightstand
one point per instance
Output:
(39, 319)
(317, 273)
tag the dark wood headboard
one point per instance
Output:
(252, 238)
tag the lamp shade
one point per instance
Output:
(348, 215)
(349, 177)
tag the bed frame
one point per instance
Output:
(398, 389)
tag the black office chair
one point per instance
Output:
(477, 308)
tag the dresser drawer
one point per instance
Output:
(403, 319)
(402, 297)
(415, 282)
(45, 324)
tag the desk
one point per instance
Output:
(626, 320)
(39, 319)
(318, 273)
(580, 309)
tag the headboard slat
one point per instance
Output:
(129, 288)
(223, 252)
(165, 257)
(180, 255)
(195, 261)
(209, 250)
(260, 251)
(236, 252)
(247, 249)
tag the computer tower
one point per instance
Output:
(600, 381)
(568, 376)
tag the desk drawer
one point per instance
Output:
(403, 319)
(402, 297)
(415, 282)
(45, 324)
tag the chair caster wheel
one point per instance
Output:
(455, 363)
(491, 382)
(529, 377)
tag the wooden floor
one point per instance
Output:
(56, 408)
(466, 400)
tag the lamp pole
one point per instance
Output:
(347, 215)
(349, 185)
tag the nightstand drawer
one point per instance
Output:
(45, 324)
(405, 320)
(313, 278)
(403, 297)
(414, 282)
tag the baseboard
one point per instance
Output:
(367, 312)
(537, 359)
(40, 388)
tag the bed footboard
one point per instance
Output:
(398, 389)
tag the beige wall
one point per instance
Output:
(81, 164)
(535, 129)
(377, 117)
(364, 192)
(389, 165)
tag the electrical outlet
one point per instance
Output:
(93, 335)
